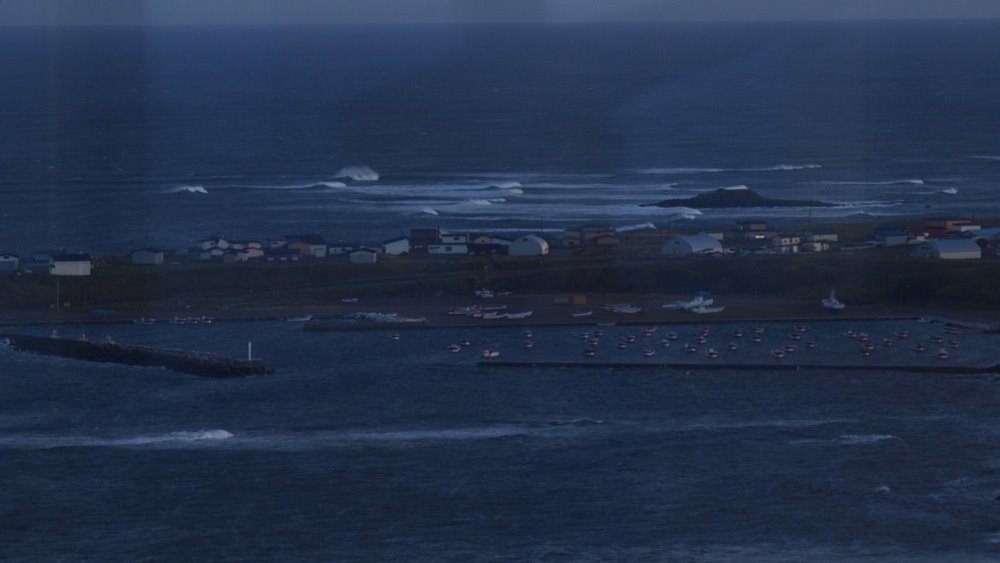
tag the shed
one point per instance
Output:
(147, 257)
(529, 245)
(70, 265)
(311, 245)
(9, 262)
(949, 249)
(364, 257)
(396, 247)
(691, 245)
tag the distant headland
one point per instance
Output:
(737, 197)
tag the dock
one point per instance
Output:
(762, 366)
(195, 363)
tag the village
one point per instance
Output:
(936, 238)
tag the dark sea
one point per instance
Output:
(361, 448)
(117, 138)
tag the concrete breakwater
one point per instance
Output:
(196, 363)
(763, 366)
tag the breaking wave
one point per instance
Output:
(688, 170)
(860, 439)
(187, 190)
(991, 157)
(359, 173)
(505, 185)
(906, 181)
(736, 188)
(429, 211)
(638, 227)
(175, 439)
(950, 191)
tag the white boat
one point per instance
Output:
(490, 354)
(484, 294)
(698, 301)
(703, 309)
(583, 314)
(832, 303)
(522, 315)
(300, 319)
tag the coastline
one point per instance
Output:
(545, 312)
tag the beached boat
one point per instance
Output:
(704, 309)
(490, 354)
(699, 301)
(648, 352)
(521, 315)
(582, 314)
(300, 319)
(455, 348)
(831, 303)
(942, 354)
(712, 353)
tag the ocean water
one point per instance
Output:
(115, 138)
(362, 448)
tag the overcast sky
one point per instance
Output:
(171, 12)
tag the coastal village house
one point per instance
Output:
(892, 236)
(691, 245)
(785, 243)
(528, 245)
(364, 256)
(949, 249)
(9, 262)
(70, 265)
(420, 239)
(341, 248)
(309, 245)
(396, 247)
(449, 249)
(281, 255)
(147, 257)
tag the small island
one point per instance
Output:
(730, 197)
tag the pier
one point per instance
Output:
(763, 366)
(196, 363)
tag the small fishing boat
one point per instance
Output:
(490, 354)
(732, 346)
(942, 354)
(582, 314)
(811, 344)
(919, 348)
(455, 348)
(648, 352)
(590, 353)
(778, 354)
(394, 336)
(712, 353)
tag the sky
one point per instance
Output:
(256, 12)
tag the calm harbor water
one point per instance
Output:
(363, 447)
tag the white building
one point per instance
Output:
(9, 262)
(690, 246)
(70, 265)
(449, 238)
(452, 249)
(528, 245)
(949, 249)
(396, 246)
(147, 257)
(364, 257)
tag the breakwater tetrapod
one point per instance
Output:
(196, 363)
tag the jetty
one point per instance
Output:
(762, 366)
(195, 363)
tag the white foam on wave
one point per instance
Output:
(169, 440)
(736, 188)
(638, 227)
(179, 437)
(358, 173)
(863, 439)
(187, 190)
(429, 211)
(991, 157)
(334, 184)
(950, 191)
(479, 202)
(905, 181)
(693, 170)
(506, 185)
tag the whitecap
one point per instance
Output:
(986, 157)
(861, 439)
(187, 190)
(638, 227)
(694, 170)
(359, 173)
(196, 436)
(950, 191)
(429, 211)
(506, 185)
(479, 202)
(736, 188)
(334, 184)
(905, 181)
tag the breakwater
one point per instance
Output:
(763, 366)
(196, 363)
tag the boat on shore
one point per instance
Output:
(300, 319)
(582, 314)
(831, 303)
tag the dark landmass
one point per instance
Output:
(737, 198)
